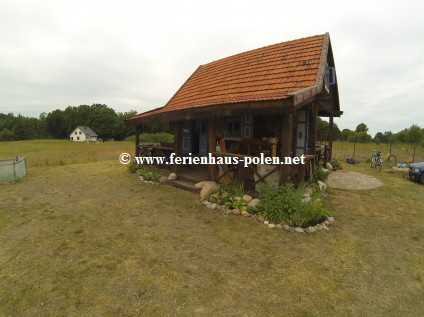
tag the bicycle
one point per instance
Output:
(377, 160)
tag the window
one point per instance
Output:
(75, 132)
(77, 137)
(80, 132)
(233, 127)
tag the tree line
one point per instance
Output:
(58, 124)
(413, 134)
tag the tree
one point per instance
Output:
(414, 136)
(56, 124)
(6, 135)
(362, 127)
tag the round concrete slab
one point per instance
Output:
(352, 180)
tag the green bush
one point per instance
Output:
(231, 196)
(150, 175)
(132, 167)
(336, 165)
(321, 174)
(284, 204)
(152, 138)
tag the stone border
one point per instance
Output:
(236, 212)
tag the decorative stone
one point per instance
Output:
(266, 222)
(325, 170)
(324, 227)
(298, 229)
(260, 219)
(322, 186)
(306, 198)
(236, 211)
(228, 212)
(236, 198)
(327, 223)
(247, 198)
(279, 226)
(213, 206)
(208, 187)
(163, 179)
(331, 219)
(208, 204)
(172, 176)
(271, 225)
(254, 203)
(292, 229)
(246, 214)
(310, 229)
(309, 191)
(286, 227)
(199, 185)
(329, 166)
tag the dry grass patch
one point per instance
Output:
(91, 239)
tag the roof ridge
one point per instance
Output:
(263, 47)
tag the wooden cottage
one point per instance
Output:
(261, 102)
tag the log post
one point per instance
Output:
(177, 128)
(137, 140)
(313, 142)
(212, 133)
(330, 138)
(286, 145)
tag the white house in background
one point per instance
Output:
(83, 134)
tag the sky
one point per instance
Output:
(134, 55)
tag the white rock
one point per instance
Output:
(306, 198)
(172, 176)
(279, 226)
(208, 187)
(326, 222)
(286, 227)
(331, 219)
(322, 186)
(298, 229)
(199, 185)
(213, 206)
(271, 225)
(266, 222)
(325, 170)
(247, 198)
(329, 166)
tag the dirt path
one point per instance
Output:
(352, 180)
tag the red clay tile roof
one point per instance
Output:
(267, 73)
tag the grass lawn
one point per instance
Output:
(86, 238)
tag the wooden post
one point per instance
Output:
(212, 133)
(330, 138)
(137, 140)
(177, 128)
(286, 145)
(313, 141)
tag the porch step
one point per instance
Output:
(183, 184)
(187, 179)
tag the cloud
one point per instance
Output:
(136, 54)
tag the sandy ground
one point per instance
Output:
(352, 180)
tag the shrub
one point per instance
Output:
(132, 167)
(150, 175)
(321, 174)
(285, 204)
(336, 165)
(153, 138)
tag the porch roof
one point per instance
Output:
(288, 70)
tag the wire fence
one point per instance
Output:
(12, 169)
